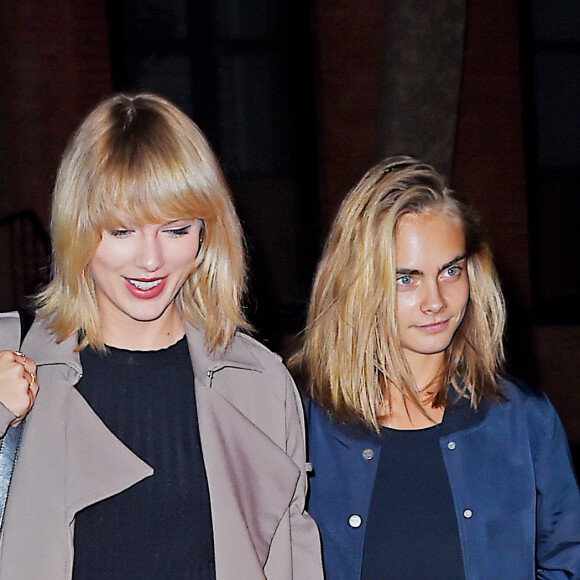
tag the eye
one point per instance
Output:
(453, 271)
(404, 280)
(120, 232)
(178, 232)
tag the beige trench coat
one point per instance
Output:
(252, 437)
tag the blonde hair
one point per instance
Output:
(351, 354)
(139, 158)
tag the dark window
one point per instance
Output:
(551, 59)
(242, 71)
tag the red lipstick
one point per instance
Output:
(145, 288)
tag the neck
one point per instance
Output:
(127, 333)
(426, 369)
(404, 412)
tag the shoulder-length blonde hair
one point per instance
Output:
(351, 354)
(139, 159)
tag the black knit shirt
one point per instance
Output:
(161, 527)
(411, 531)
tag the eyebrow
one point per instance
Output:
(454, 261)
(410, 272)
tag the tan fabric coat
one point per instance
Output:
(251, 428)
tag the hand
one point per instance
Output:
(18, 384)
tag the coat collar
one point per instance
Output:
(206, 363)
(40, 346)
(251, 478)
(458, 416)
(48, 352)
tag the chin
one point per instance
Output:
(435, 349)
(149, 316)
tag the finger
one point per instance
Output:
(33, 388)
(19, 357)
(31, 392)
(31, 398)
(20, 417)
(30, 366)
(29, 377)
(33, 384)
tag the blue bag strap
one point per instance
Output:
(8, 454)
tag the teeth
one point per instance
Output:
(145, 285)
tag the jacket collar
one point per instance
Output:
(205, 363)
(351, 434)
(40, 346)
(459, 416)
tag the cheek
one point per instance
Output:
(407, 303)
(100, 272)
(106, 267)
(460, 296)
(100, 269)
(109, 257)
(465, 290)
(184, 257)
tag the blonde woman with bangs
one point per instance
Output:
(159, 440)
(427, 462)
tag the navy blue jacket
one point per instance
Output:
(516, 498)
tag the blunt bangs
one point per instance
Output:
(137, 202)
(155, 180)
(136, 160)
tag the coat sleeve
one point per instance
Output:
(558, 505)
(9, 340)
(6, 417)
(304, 536)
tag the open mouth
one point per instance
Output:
(144, 284)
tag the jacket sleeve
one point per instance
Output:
(558, 504)
(305, 539)
(9, 340)
(6, 417)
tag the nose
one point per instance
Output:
(149, 256)
(433, 300)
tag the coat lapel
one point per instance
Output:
(95, 464)
(67, 460)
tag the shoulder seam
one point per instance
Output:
(256, 343)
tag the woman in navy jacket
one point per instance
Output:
(426, 463)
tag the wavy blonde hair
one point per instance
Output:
(139, 158)
(351, 354)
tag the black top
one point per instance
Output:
(411, 530)
(161, 527)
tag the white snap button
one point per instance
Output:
(451, 445)
(467, 514)
(368, 453)
(355, 521)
